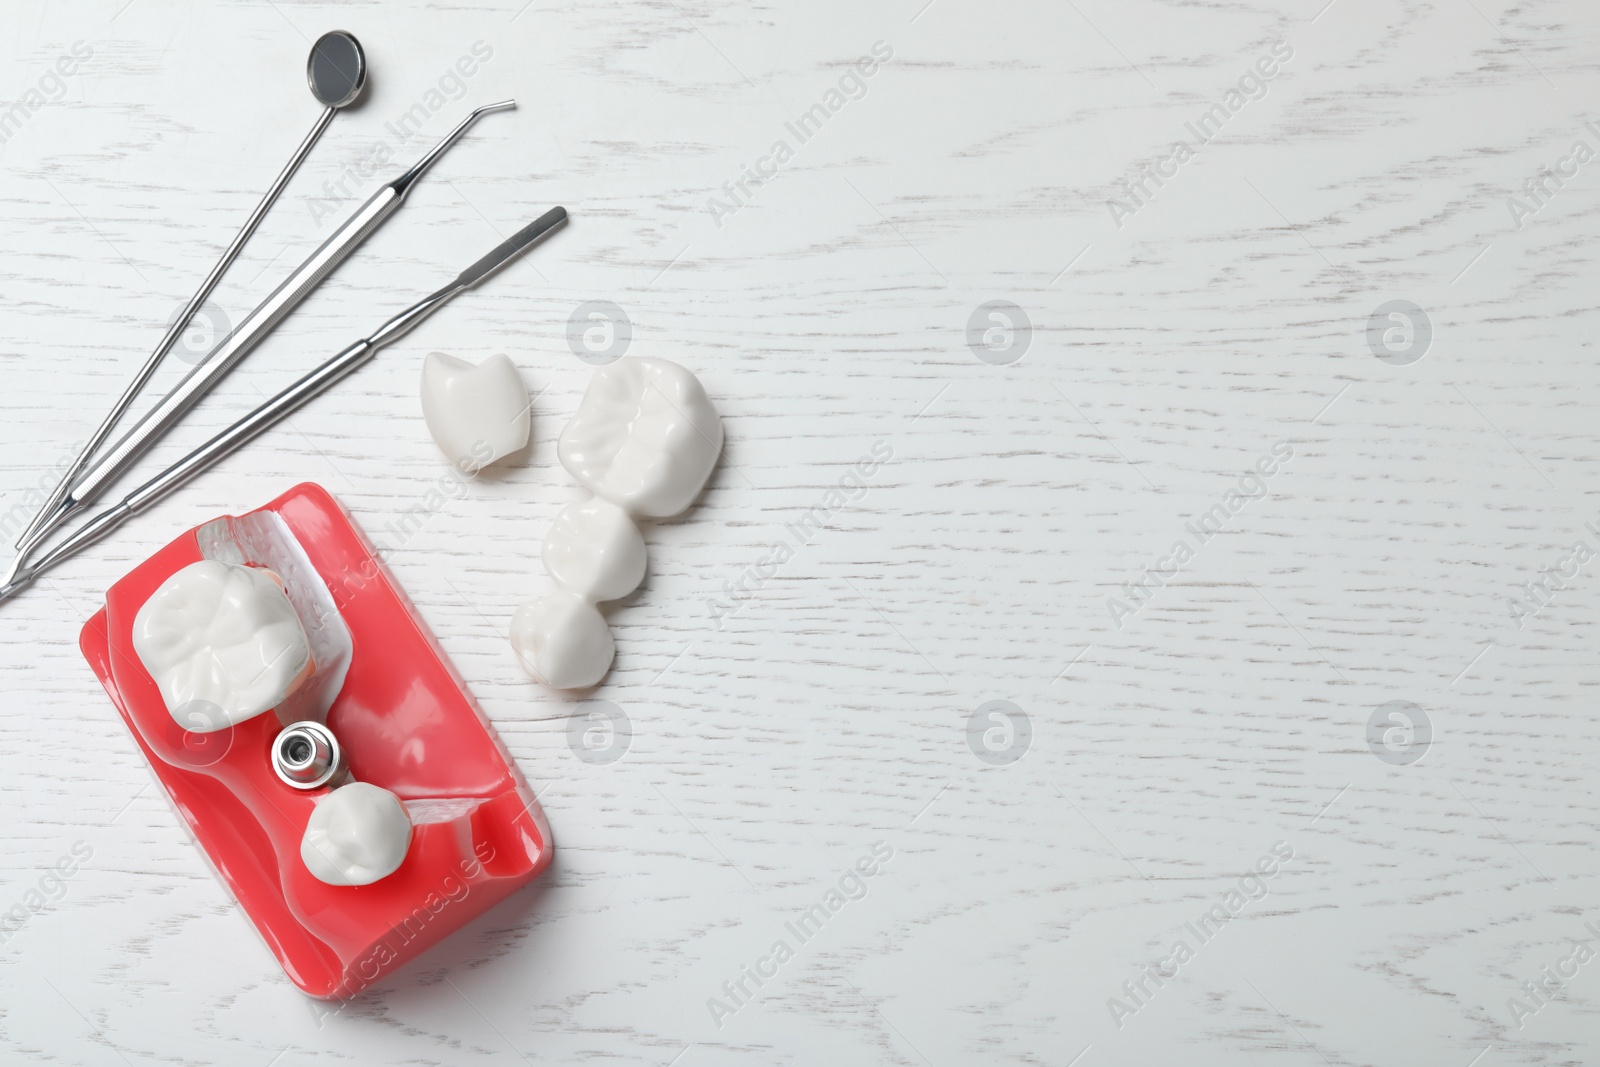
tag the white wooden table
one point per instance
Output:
(1173, 735)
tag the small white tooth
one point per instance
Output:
(476, 414)
(356, 835)
(223, 644)
(645, 437)
(562, 641)
(594, 550)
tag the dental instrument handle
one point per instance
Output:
(198, 460)
(336, 74)
(321, 378)
(81, 538)
(251, 331)
(175, 330)
(287, 401)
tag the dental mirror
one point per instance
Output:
(336, 72)
(337, 69)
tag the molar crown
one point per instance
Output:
(644, 440)
(223, 644)
(645, 437)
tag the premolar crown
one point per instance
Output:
(476, 415)
(357, 834)
(644, 440)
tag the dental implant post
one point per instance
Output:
(306, 755)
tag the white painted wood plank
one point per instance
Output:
(828, 314)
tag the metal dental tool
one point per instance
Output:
(331, 371)
(255, 326)
(337, 72)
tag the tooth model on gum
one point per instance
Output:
(476, 414)
(644, 440)
(357, 834)
(223, 644)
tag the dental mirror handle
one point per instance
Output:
(287, 401)
(250, 332)
(175, 330)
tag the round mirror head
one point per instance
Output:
(337, 69)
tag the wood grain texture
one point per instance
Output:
(826, 315)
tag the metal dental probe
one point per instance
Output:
(337, 72)
(333, 369)
(256, 326)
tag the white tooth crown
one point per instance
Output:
(223, 644)
(261, 538)
(357, 834)
(563, 641)
(645, 437)
(644, 440)
(476, 414)
(593, 549)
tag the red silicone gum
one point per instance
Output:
(408, 724)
